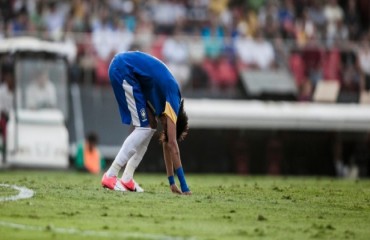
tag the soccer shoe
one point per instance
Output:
(112, 183)
(132, 186)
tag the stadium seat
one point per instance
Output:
(365, 98)
(221, 72)
(269, 82)
(156, 49)
(332, 65)
(296, 65)
(326, 91)
(101, 71)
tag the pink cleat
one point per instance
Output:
(112, 183)
(132, 186)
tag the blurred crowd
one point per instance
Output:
(207, 44)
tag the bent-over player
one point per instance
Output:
(146, 91)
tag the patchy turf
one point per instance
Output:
(69, 205)
(6, 191)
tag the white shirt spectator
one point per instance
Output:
(6, 98)
(41, 93)
(243, 46)
(333, 14)
(55, 17)
(255, 52)
(123, 39)
(176, 55)
(104, 41)
(175, 50)
(167, 13)
(364, 60)
(263, 54)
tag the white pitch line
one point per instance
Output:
(102, 234)
(23, 193)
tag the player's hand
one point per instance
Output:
(175, 189)
(187, 193)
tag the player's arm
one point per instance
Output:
(171, 148)
(169, 169)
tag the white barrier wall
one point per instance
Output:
(205, 113)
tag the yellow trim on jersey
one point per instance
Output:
(168, 110)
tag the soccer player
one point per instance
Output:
(146, 91)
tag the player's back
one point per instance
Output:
(156, 81)
(147, 69)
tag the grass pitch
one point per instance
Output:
(70, 205)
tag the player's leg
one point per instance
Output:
(145, 120)
(133, 163)
(131, 104)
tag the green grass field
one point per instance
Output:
(70, 205)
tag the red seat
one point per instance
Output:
(298, 68)
(332, 65)
(221, 72)
(156, 48)
(226, 74)
(101, 71)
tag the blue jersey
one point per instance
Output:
(158, 86)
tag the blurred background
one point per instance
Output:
(276, 87)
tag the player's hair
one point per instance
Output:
(182, 126)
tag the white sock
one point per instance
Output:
(130, 147)
(113, 170)
(132, 164)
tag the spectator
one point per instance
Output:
(104, 40)
(220, 67)
(6, 11)
(55, 17)
(247, 23)
(144, 32)
(196, 47)
(212, 35)
(103, 36)
(79, 12)
(351, 79)
(316, 15)
(255, 53)
(352, 20)
(268, 20)
(166, 14)
(197, 11)
(20, 25)
(6, 105)
(6, 93)
(263, 52)
(122, 37)
(286, 16)
(35, 18)
(304, 29)
(88, 157)
(244, 49)
(313, 57)
(2, 32)
(333, 14)
(364, 63)
(305, 92)
(198, 76)
(176, 55)
(41, 92)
